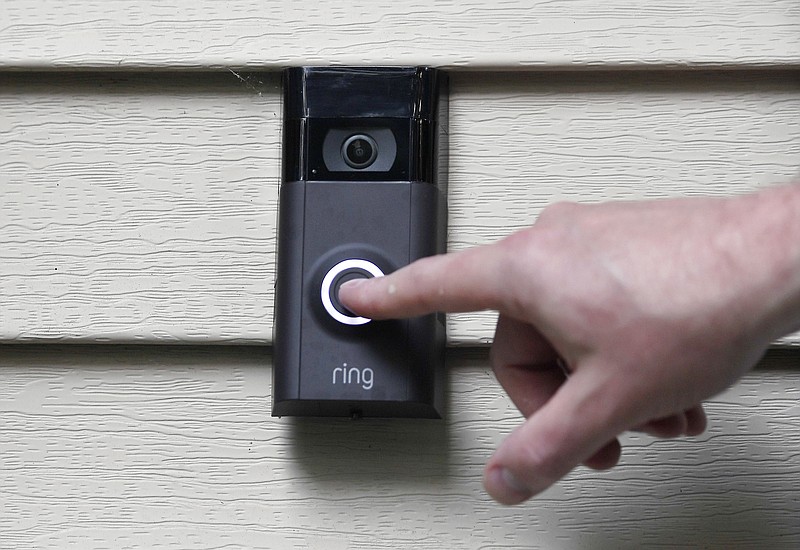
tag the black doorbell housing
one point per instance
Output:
(363, 193)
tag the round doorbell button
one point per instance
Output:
(342, 272)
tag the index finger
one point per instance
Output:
(469, 280)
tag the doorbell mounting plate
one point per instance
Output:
(363, 193)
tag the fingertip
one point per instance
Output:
(606, 458)
(349, 292)
(356, 295)
(504, 487)
(667, 427)
(696, 421)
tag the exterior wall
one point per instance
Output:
(173, 447)
(142, 208)
(516, 34)
(139, 168)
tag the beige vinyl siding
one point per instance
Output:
(509, 34)
(139, 171)
(173, 447)
(142, 207)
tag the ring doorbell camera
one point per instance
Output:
(363, 193)
(359, 151)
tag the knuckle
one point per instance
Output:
(543, 460)
(542, 457)
(520, 258)
(418, 286)
(559, 211)
(494, 359)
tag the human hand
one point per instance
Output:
(651, 308)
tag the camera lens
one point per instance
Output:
(359, 151)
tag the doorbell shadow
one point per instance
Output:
(376, 453)
(363, 193)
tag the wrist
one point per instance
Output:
(769, 235)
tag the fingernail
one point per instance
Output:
(506, 488)
(512, 482)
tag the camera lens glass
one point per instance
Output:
(359, 151)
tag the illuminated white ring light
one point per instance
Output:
(330, 276)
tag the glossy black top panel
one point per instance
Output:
(362, 92)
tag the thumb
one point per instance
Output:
(573, 426)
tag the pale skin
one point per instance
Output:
(613, 317)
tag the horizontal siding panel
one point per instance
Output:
(202, 34)
(165, 447)
(142, 207)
